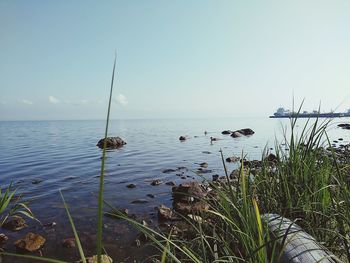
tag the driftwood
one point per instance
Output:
(297, 246)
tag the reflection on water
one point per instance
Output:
(44, 156)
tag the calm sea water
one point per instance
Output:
(41, 157)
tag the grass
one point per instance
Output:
(309, 184)
(9, 207)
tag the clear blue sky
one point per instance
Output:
(175, 58)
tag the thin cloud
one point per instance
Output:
(121, 99)
(53, 100)
(24, 101)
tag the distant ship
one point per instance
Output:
(285, 113)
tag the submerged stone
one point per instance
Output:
(203, 165)
(31, 242)
(232, 159)
(15, 223)
(3, 239)
(68, 242)
(166, 171)
(139, 201)
(156, 182)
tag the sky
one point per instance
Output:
(175, 59)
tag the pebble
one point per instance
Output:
(203, 165)
(68, 242)
(139, 201)
(156, 182)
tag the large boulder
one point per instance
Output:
(111, 142)
(242, 132)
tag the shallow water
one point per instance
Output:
(41, 157)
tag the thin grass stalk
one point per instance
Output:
(36, 258)
(102, 174)
(77, 240)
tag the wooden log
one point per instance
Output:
(297, 245)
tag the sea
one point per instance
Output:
(41, 158)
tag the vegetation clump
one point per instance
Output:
(308, 184)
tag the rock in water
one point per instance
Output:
(226, 132)
(68, 242)
(271, 158)
(139, 201)
(3, 239)
(31, 242)
(242, 132)
(246, 131)
(215, 177)
(236, 134)
(345, 126)
(192, 190)
(156, 182)
(182, 138)
(164, 213)
(232, 159)
(111, 142)
(15, 223)
(203, 165)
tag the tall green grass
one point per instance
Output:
(307, 183)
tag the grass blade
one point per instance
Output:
(101, 187)
(77, 240)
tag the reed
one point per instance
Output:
(308, 183)
(11, 207)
